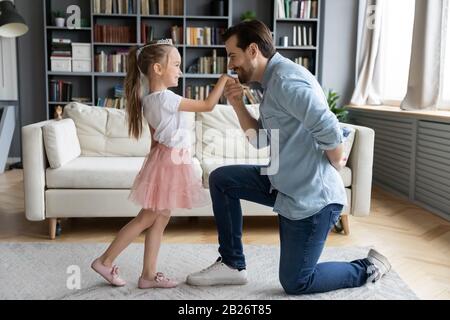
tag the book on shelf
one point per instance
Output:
(176, 33)
(118, 102)
(119, 91)
(201, 93)
(60, 91)
(209, 65)
(252, 96)
(147, 33)
(298, 9)
(115, 103)
(111, 63)
(114, 6)
(204, 36)
(61, 41)
(162, 7)
(81, 100)
(302, 36)
(61, 48)
(305, 62)
(114, 34)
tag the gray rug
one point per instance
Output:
(44, 271)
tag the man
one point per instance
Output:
(307, 191)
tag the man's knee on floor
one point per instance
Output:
(294, 286)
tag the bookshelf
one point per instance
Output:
(300, 23)
(100, 83)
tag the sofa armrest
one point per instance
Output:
(35, 163)
(361, 162)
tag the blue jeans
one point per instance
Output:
(301, 241)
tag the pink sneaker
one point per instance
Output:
(160, 281)
(111, 274)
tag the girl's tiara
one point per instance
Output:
(157, 43)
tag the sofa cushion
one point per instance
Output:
(211, 164)
(222, 136)
(100, 173)
(103, 132)
(61, 142)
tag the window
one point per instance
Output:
(398, 22)
(446, 88)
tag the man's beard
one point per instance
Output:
(244, 76)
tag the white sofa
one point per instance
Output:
(85, 164)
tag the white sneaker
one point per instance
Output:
(217, 274)
(380, 267)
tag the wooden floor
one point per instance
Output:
(416, 241)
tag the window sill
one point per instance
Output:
(433, 115)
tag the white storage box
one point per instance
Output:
(81, 65)
(61, 64)
(81, 51)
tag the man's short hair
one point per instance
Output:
(253, 31)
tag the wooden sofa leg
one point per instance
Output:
(52, 227)
(345, 226)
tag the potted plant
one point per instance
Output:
(248, 16)
(340, 112)
(59, 18)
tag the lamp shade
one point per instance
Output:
(11, 23)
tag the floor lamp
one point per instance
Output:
(12, 25)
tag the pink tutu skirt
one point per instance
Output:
(167, 181)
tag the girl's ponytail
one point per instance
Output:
(137, 63)
(133, 95)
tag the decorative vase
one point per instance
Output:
(218, 8)
(60, 22)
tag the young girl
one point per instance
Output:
(166, 180)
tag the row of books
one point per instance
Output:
(209, 65)
(115, 103)
(60, 91)
(162, 7)
(114, 34)
(306, 62)
(61, 48)
(201, 93)
(118, 102)
(147, 33)
(252, 96)
(303, 9)
(114, 7)
(204, 36)
(302, 36)
(116, 62)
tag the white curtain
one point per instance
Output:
(367, 90)
(426, 71)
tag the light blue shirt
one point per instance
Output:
(295, 104)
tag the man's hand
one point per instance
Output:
(337, 157)
(234, 92)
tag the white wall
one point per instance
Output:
(340, 18)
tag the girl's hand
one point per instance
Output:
(210, 102)
(225, 77)
(234, 92)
